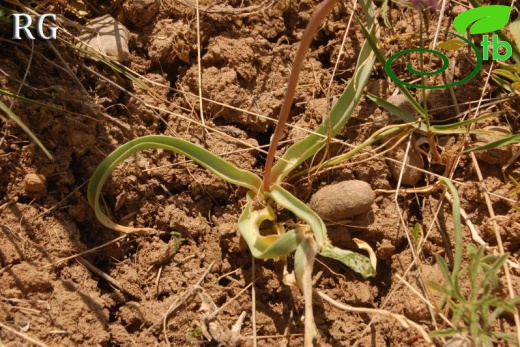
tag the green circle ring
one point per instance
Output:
(445, 65)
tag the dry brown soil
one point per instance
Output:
(120, 294)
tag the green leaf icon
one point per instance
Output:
(451, 45)
(484, 19)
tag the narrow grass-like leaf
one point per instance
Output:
(445, 271)
(416, 233)
(382, 60)
(302, 211)
(457, 226)
(25, 128)
(491, 274)
(405, 116)
(508, 337)
(31, 101)
(208, 160)
(502, 83)
(511, 68)
(474, 267)
(508, 140)
(447, 129)
(512, 76)
(376, 136)
(443, 333)
(340, 114)
(439, 288)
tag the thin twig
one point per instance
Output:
(120, 238)
(180, 299)
(214, 313)
(104, 276)
(23, 336)
(405, 322)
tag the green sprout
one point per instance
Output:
(473, 313)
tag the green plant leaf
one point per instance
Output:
(513, 68)
(443, 333)
(25, 128)
(416, 233)
(512, 76)
(265, 247)
(208, 160)
(339, 115)
(502, 83)
(355, 261)
(457, 227)
(491, 274)
(508, 337)
(302, 211)
(509, 140)
(405, 116)
(445, 271)
(447, 129)
(439, 288)
(451, 45)
(462, 126)
(486, 19)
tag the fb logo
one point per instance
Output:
(482, 20)
(18, 27)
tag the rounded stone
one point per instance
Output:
(106, 35)
(414, 161)
(343, 200)
(34, 183)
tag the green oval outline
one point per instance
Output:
(393, 76)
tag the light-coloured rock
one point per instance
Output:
(343, 200)
(106, 35)
(34, 183)
(414, 160)
(495, 156)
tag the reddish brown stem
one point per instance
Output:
(314, 23)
